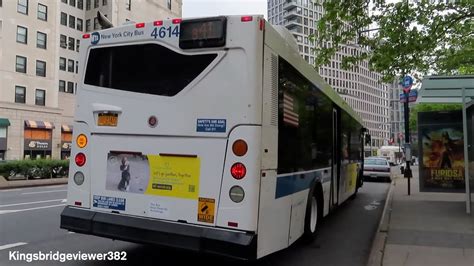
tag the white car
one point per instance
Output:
(377, 167)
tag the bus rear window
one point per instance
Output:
(144, 68)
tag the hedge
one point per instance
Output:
(41, 168)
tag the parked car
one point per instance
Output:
(377, 167)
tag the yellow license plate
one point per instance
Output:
(107, 120)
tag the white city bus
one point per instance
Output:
(209, 134)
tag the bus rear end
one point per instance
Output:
(167, 135)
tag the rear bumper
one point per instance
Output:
(377, 174)
(237, 245)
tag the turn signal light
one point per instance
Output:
(238, 171)
(81, 141)
(80, 159)
(239, 147)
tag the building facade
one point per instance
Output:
(39, 66)
(359, 86)
(397, 119)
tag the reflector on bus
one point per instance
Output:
(201, 33)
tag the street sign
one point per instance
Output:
(412, 96)
(407, 82)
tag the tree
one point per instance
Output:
(423, 36)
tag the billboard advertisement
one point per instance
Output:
(441, 148)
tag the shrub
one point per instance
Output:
(41, 168)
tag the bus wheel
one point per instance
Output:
(312, 218)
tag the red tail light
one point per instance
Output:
(86, 36)
(176, 21)
(238, 171)
(246, 18)
(78, 203)
(80, 159)
(139, 25)
(158, 23)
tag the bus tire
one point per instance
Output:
(313, 214)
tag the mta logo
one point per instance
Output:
(95, 38)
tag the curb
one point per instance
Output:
(4, 184)
(378, 244)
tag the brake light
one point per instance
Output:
(233, 224)
(78, 203)
(81, 141)
(139, 25)
(176, 21)
(158, 23)
(86, 36)
(246, 18)
(80, 159)
(238, 171)
(239, 147)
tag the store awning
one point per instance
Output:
(38, 124)
(4, 122)
(66, 128)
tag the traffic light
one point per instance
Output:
(367, 139)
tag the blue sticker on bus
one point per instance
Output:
(211, 125)
(111, 203)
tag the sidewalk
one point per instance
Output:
(4, 184)
(428, 228)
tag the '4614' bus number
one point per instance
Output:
(164, 32)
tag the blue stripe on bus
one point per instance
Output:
(292, 183)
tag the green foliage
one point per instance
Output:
(35, 168)
(410, 36)
(427, 107)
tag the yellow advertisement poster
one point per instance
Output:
(351, 175)
(173, 176)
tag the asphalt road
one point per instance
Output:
(29, 222)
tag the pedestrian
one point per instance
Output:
(124, 184)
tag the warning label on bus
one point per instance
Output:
(111, 203)
(206, 210)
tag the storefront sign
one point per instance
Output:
(65, 145)
(37, 145)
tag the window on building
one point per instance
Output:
(88, 4)
(77, 68)
(128, 4)
(96, 3)
(72, 22)
(22, 35)
(40, 97)
(70, 87)
(42, 12)
(72, 3)
(71, 43)
(104, 2)
(20, 64)
(62, 63)
(62, 41)
(40, 68)
(63, 19)
(169, 4)
(77, 45)
(22, 7)
(70, 65)
(88, 25)
(79, 24)
(20, 94)
(96, 23)
(64, 1)
(62, 85)
(41, 39)
(80, 4)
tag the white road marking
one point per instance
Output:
(39, 192)
(372, 206)
(12, 245)
(30, 209)
(32, 202)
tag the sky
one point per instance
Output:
(203, 8)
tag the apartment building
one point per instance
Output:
(39, 66)
(359, 86)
